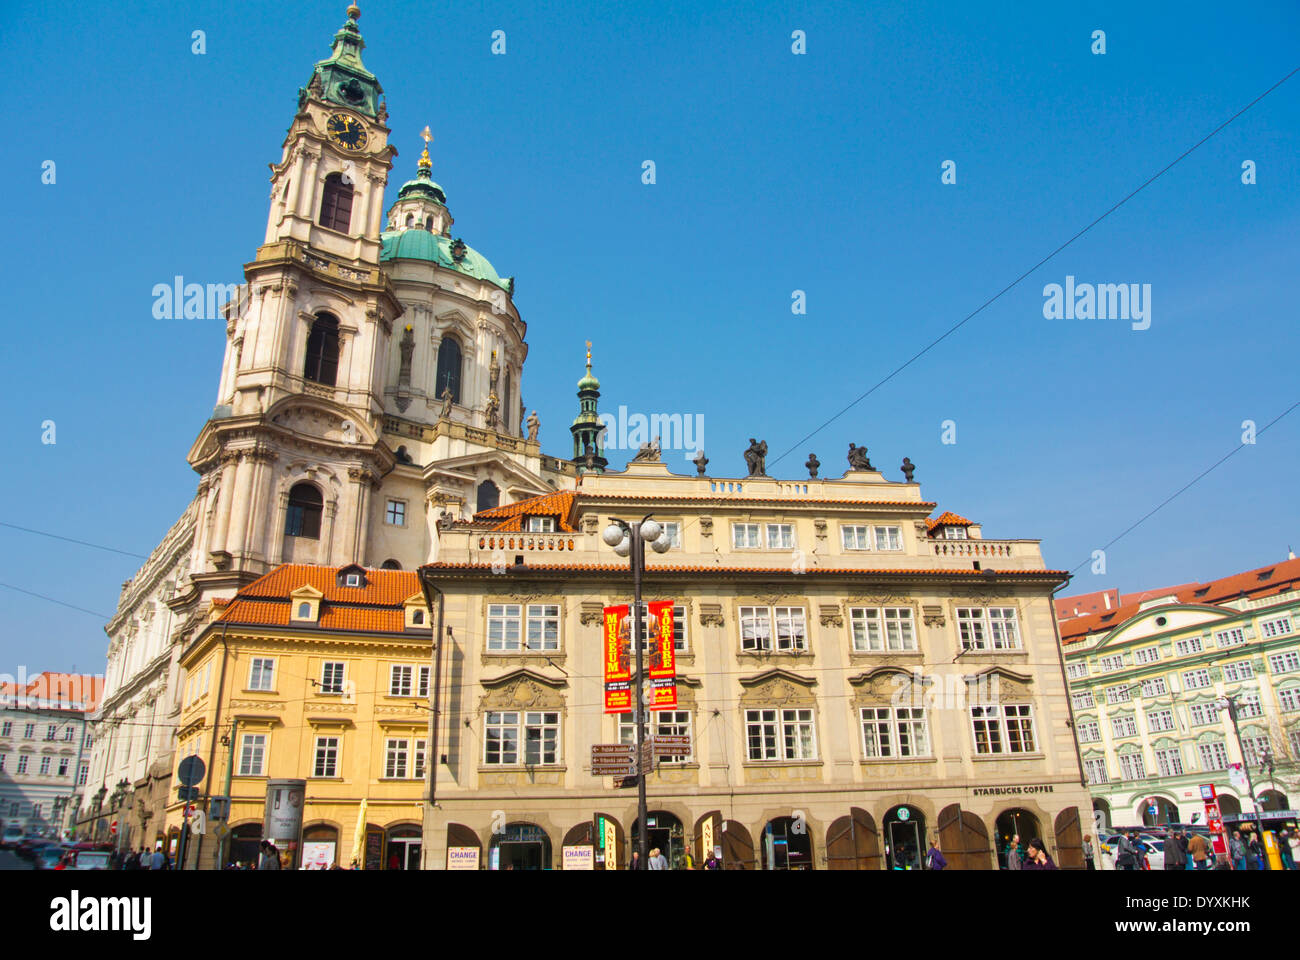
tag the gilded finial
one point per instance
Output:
(425, 163)
(589, 354)
(354, 12)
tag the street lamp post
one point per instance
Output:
(1230, 703)
(119, 797)
(629, 540)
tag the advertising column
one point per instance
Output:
(282, 821)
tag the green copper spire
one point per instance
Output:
(341, 77)
(588, 450)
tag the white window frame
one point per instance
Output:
(1124, 726)
(401, 679)
(1289, 699)
(261, 674)
(1077, 670)
(1238, 670)
(1203, 714)
(746, 536)
(1111, 663)
(1213, 755)
(1132, 765)
(882, 629)
(1288, 661)
(1095, 768)
(252, 754)
(999, 722)
(1089, 731)
(986, 628)
(536, 735)
(1146, 655)
(1198, 674)
(541, 524)
(892, 733)
(1232, 637)
(780, 541)
(397, 756)
(660, 723)
(1189, 645)
(327, 753)
(1169, 762)
(1121, 693)
(1275, 627)
(760, 620)
(1154, 687)
(855, 536)
(1161, 719)
(674, 530)
(788, 734)
(1083, 700)
(332, 686)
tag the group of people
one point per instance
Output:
(1185, 850)
(1033, 856)
(655, 860)
(140, 859)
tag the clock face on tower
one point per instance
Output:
(348, 132)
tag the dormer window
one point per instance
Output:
(304, 611)
(541, 524)
(954, 533)
(353, 575)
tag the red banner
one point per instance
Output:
(662, 663)
(618, 667)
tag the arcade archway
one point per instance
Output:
(1015, 822)
(787, 845)
(904, 833)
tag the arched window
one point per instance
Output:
(390, 565)
(336, 204)
(304, 611)
(305, 507)
(417, 616)
(448, 369)
(507, 408)
(322, 363)
(428, 224)
(410, 221)
(488, 495)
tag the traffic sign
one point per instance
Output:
(112, 827)
(187, 793)
(219, 808)
(191, 770)
(621, 770)
(612, 750)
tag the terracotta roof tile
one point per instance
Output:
(382, 586)
(947, 519)
(558, 505)
(1284, 576)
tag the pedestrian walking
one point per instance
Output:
(636, 862)
(1176, 851)
(688, 862)
(270, 857)
(712, 863)
(158, 860)
(935, 860)
(1198, 848)
(1088, 856)
(1126, 857)
(1013, 853)
(1037, 857)
(1284, 850)
(657, 860)
(1254, 851)
(1237, 850)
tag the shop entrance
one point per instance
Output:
(522, 846)
(786, 846)
(665, 832)
(1012, 823)
(904, 838)
(404, 847)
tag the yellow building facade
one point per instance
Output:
(321, 675)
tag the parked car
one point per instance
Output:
(1155, 853)
(28, 846)
(90, 860)
(13, 834)
(49, 856)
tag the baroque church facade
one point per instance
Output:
(369, 392)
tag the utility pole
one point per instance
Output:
(1231, 702)
(230, 769)
(629, 540)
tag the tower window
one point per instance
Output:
(336, 204)
(305, 507)
(410, 220)
(428, 224)
(488, 495)
(322, 363)
(448, 369)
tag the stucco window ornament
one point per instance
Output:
(831, 615)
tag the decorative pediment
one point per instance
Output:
(522, 689)
(886, 683)
(879, 600)
(998, 684)
(306, 592)
(777, 687)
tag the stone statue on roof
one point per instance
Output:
(756, 457)
(858, 458)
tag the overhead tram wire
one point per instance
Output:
(1014, 283)
(84, 543)
(1167, 500)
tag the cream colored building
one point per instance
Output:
(855, 679)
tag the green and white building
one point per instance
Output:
(1148, 675)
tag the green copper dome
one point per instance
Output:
(589, 382)
(341, 77)
(417, 244)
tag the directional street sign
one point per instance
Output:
(612, 750)
(674, 745)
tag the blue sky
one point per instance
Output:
(775, 173)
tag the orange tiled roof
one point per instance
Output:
(382, 586)
(946, 519)
(762, 571)
(378, 607)
(1260, 582)
(558, 505)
